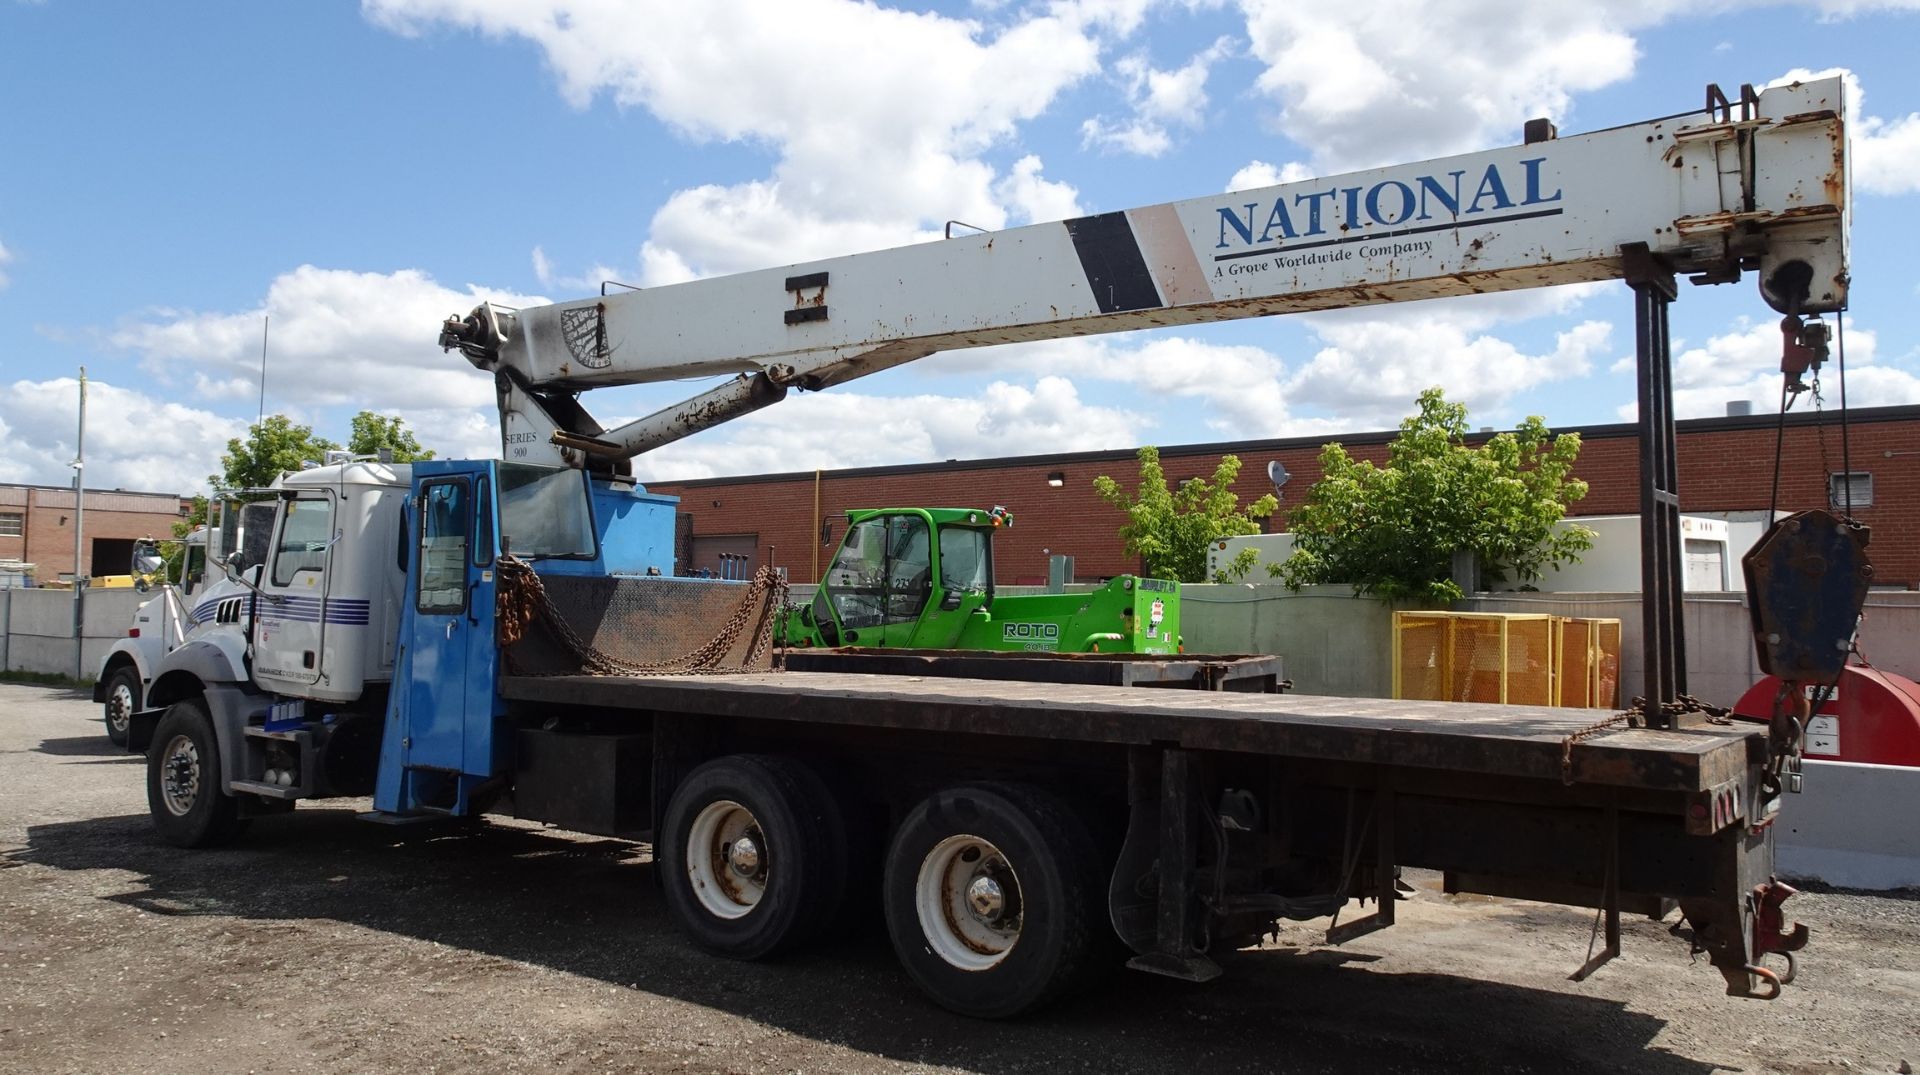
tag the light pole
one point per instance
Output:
(79, 465)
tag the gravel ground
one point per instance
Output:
(321, 943)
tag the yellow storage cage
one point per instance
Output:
(1513, 658)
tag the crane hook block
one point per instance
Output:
(1806, 583)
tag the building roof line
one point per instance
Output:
(1609, 431)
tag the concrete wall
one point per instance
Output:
(1853, 826)
(36, 629)
(1334, 643)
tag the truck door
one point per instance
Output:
(439, 742)
(290, 629)
(437, 639)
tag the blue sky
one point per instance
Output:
(169, 174)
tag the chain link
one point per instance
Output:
(1598, 726)
(523, 601)
(1635, 716)
(1820, 434)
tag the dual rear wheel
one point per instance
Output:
(992, 892)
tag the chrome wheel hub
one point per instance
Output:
(119, 706)
(986, 900)
(968, 900)
(180, 775)
(727, 859)
(743, 857)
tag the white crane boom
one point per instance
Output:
(1706, 193)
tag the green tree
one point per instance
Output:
(1170, 529)
(272, 446)
(1392, 531)
(372, 432)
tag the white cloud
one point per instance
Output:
(1743, 364)
(1886, 153)
(5, 257)
(134, 441)
(1384, 81)
(878, 117)
(1259, 174)
(1163, 102)
(1370, 372)
(838, 428)
(1369, 87)
(452, 432)
(338, 338)
(1839, 9)
(1237, 390)
(1033, 198)
(1369, 367)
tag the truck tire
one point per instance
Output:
(755, 855)
(994, 898)
(184, 786)
(123, 697)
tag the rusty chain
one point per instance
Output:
(1635, 716)
(523, 601)
(1598, 726)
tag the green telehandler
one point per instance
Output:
(922, 578)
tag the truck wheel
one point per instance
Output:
(183, 780)
(123, 697)
(755, 856)
(994, 898)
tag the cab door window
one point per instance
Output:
(304, 537)
(965, 560)
(446, 522)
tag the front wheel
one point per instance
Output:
(754, 856)
(123, 697)
(184, 787)
(994, 898)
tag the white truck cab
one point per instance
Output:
(203, 597)
(328, 604)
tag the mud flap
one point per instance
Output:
(140, 726)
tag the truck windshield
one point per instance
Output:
(964, 564)
(545, 512)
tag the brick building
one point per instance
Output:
(37, 522)
(1726, 464)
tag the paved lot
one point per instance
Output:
(321, 943)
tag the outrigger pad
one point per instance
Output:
(1806, 583)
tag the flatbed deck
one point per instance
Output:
(1495, 740)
